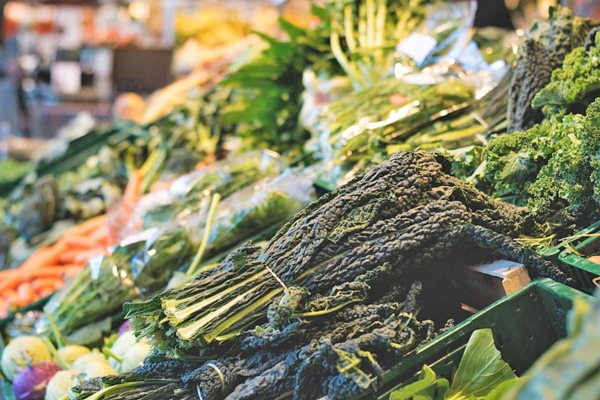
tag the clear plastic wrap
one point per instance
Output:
(443, 34)
(189, 193)
(254, 212)
(137, 267)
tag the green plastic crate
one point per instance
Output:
(525, 324)
(553, 253)
(573, 259)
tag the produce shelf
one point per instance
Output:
(525, 324)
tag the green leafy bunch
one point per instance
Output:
(552, 168)
(575, 85)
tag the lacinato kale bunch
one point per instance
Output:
(543, 50)
(403, 217)
(335, 355)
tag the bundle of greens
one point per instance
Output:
(391, 110)
(334, 355)
(224, 177)
(267, 91)
(552, 167)
(401, 217)
(542, 51)
(365, 33)
(138, 268)
(466, 126)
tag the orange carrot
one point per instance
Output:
(44, 256)
(133, 190)
(52, 273)
(68, 257)
(41, 283)
(10, 280)
(99, 235)
(79, 242)
(26, 293)
(87, 227)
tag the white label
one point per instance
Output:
(417, 46)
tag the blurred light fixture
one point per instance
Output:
(139, 10)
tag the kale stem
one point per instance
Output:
(123, 387)
(207, 230)
(328, 310)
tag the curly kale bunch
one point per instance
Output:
(543, 51)
(574, 86)
(553, 168)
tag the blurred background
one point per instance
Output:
(61, 58)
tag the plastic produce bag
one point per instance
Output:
(137, 267)
(443, 34)
(189, 194)
(254, 212)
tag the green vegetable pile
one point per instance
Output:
(325, 291)
(553, 167)
(543, 50)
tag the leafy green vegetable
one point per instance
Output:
(543, 50)
(480, 372)
(427, 387)
(552, 168)
(481, 368)
(574, 86)
(267, 92)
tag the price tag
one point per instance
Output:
(417, 46)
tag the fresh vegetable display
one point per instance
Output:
(311, 218)
(361, 244)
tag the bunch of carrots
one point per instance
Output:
(48, 268)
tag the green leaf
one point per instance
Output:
(481, 369)
(501, 391)
(422, 389)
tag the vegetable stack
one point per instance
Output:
(336, 289)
